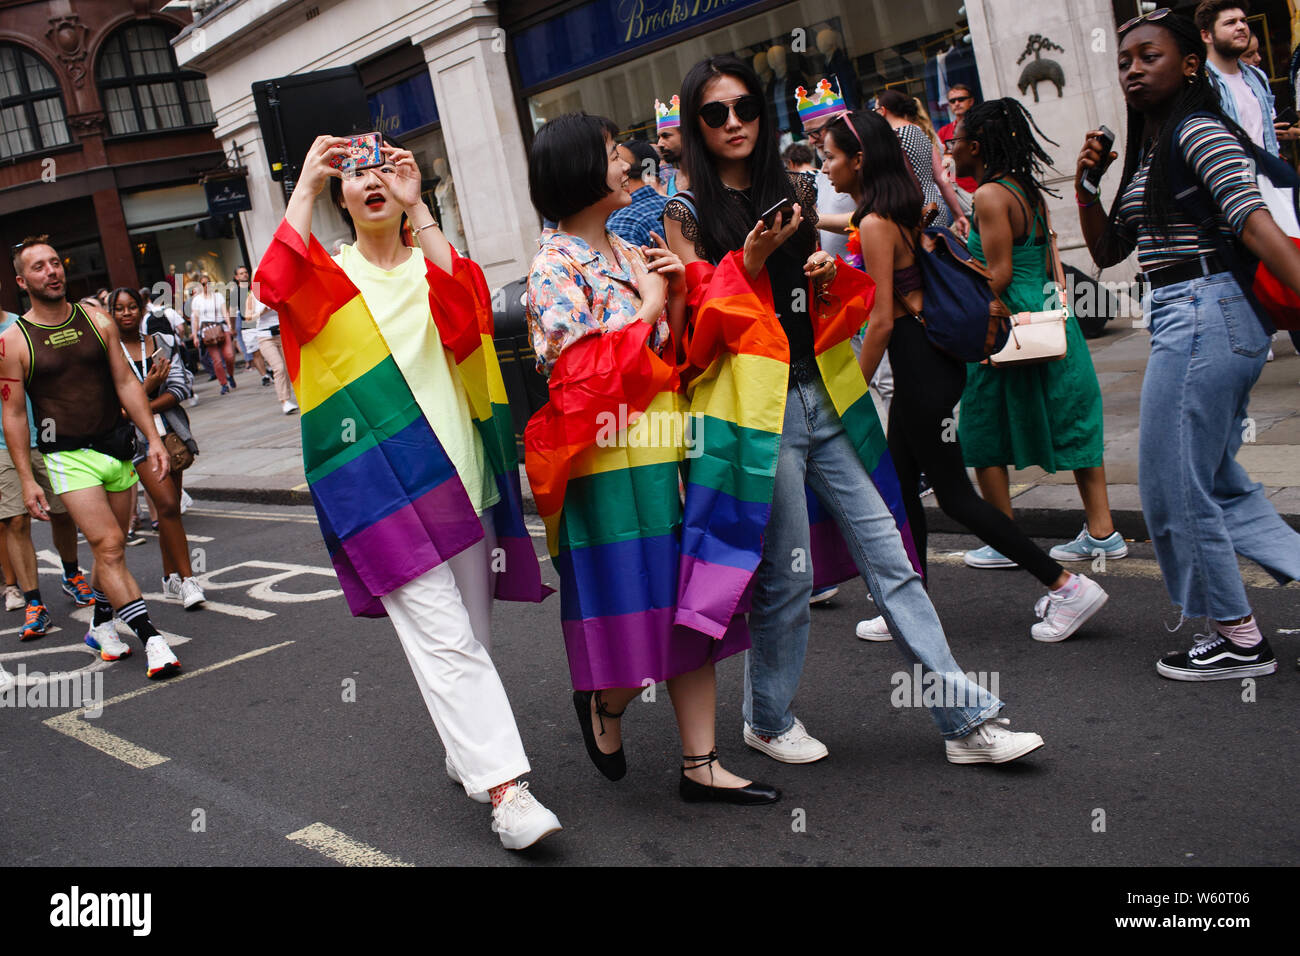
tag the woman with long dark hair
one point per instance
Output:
(928, 383)
(1047, 415)
(166, 386)
(924, 156)
(779, 407)
(1208, 345)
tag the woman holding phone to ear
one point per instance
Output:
(166, 386)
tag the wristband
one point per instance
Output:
(1085, 205)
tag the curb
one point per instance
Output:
(253, 496)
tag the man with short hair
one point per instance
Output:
(645, 214)
(668, 139)
(70, 361)
(1243, 89)
(960, 99)
(799, 159)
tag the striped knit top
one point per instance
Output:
(1218, 160)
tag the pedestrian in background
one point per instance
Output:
(211, 325)
(902, 114)
(643, 217)
(1208, 346)
(266, 334)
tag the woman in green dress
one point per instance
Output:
(1048, 415)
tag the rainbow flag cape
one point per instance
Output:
(741, 354)
(390, 503)
(603, 461)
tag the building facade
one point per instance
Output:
(467, 82)
(103, 138)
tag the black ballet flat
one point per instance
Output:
(613, 766)
(753, 794)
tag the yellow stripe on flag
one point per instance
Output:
(842, 375)
(347, 348)
(654, 438)
(757, 375)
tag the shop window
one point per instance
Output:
(31, 105)
(142, 87)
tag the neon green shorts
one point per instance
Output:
(85, 468)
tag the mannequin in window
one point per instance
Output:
(762, 69)
(445, 192)
(780, 90)
(839, 65)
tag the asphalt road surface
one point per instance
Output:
(296, 736)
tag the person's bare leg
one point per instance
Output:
(615, 700)
(995, 487)
(259, 363)
(21, 552)
(64, 532)
(10, 580)
(171, 531)
(694, 697)
(1096, 500)
(102, 517)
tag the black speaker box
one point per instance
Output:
(294, 110)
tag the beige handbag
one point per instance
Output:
(1038, 337)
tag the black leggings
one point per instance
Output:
(923, 439)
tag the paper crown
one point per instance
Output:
(668, 115)
(825, 101)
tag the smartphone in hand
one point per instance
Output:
(362, 153)
(784, 209)
(1091, 181)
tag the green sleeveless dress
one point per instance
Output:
(1047, 415)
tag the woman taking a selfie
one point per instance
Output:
(417, 496)
(166, 386)
(604, 316)
(1208, 345)
(777, 393)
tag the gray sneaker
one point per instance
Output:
(1085, 547)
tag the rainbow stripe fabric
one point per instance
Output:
(390, 503)
(603, 457)
(738, 404)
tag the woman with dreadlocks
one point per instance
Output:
(1208, 345)
(1047, 415)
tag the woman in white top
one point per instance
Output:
(212, 331)
(266, 335)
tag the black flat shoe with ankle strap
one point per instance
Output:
(751, 794)
(614, 765)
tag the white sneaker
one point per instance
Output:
(7, 679)
(191, 594)
(14, 600)
(1061, 617)
(874, 629)
(103, 638)
(520, 820)
(186, 501)
(171, 590)
(162, 662)
(987, 557)
(479, 797)
(289, 407)
(991, 742)
(796, 745)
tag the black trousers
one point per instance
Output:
(923, 439)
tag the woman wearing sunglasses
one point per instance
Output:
(782, 407)
(1208, 346)
(600, 313)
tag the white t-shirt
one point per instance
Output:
(1248, 110)
(203, 308)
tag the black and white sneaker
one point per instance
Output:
(1217, 658)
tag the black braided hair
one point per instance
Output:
(1005, 131)
(1198, 96)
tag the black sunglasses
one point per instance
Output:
(747, 109)
(959, 99)
(1153, 15)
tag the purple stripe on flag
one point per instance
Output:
(521, 577)
(709, 595)
(831, 559)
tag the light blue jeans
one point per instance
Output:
(1201, 508)
(816, 450)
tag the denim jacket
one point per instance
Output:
(1258, 84)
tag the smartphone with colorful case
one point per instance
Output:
(362, 153)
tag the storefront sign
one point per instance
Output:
(403, 107)
(607, 30)
(227, 195)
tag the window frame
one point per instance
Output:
(176, 78)
(27, 100)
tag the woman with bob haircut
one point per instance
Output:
(783, 407)
(409, 452)
(603, 459)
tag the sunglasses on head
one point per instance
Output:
(1148, 17)
(747, 109)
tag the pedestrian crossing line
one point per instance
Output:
(72, 724)
(234, 610)
(341, 848)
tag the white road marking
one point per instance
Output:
(254, 515)
(329, 842)
(234, 610)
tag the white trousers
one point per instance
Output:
(444, 621)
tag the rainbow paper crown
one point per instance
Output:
(668, 115)
(825, 101)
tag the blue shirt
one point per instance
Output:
(1258, 84)
(634, 223)
(7, 319)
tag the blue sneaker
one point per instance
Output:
(37, 622)
(824, 594)
(988, 557)
(1085, 547)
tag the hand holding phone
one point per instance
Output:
(784, 209)
(362, 153)
(1091, 181)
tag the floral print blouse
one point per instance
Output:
(574, 291)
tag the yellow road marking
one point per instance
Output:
(329, 842)
(252, 515)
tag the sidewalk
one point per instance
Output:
(250, 451)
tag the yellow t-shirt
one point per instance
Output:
(399, 301)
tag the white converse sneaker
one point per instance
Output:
(991, 742)
(520, 820)
(191, 594)
(7, 679)
(14, 600)
(103, 638)
(479, 797)
(796, 745)
(171, 590)
(874, 629)
(162, 662)
(1061, 617)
